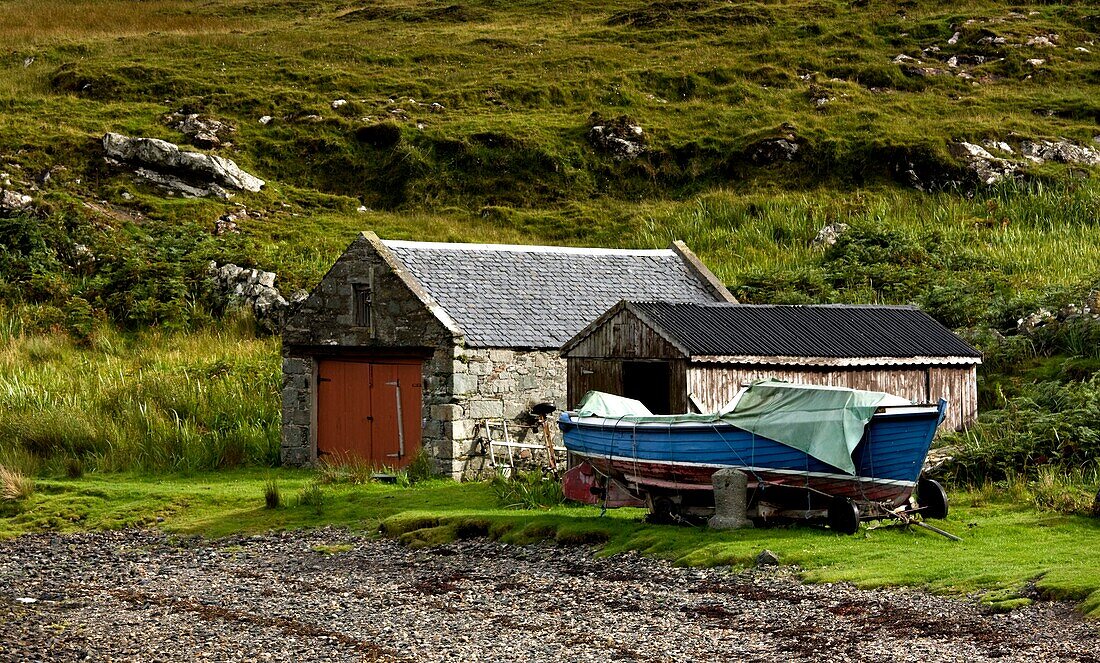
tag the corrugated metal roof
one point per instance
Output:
(541, 296)
(804, 331)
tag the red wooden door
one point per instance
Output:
(358, 406)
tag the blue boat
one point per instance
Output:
(808, 451)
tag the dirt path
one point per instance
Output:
(327, 595)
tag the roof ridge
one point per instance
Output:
(523, 248)
(734, 305)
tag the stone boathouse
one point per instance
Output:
(405, 345)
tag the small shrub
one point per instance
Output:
(273, 498)
(14, 487)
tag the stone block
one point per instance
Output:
(462, 429)
(458, 367)
(465, 383)
(448, 412)
(501, 356)
(730, 500)
(486, 409)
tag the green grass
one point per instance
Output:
(154, 401)
(1007, 543)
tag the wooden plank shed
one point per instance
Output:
(677, 357)
(406, 345)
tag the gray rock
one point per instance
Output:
(730, 500)
(1043, 41)
(175, 185)
(167, 158)
(620, 137)
(1036, 320)
(227, 224)
(13, 201)
(251, 288)
(829, 235)
(204, 131)
(1059, 151)
(767, 558)
(772, 150)
(987, 168)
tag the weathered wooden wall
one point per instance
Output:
(624, 336)
(714, 385)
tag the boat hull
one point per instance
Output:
(681, 459)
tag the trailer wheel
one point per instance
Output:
(843, 515)
(662, 510)
(931, 499)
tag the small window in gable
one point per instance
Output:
(362, 303)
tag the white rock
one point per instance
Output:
(1082, 49)
(338, 103)
(1036, 62)
(954, 38)
(266, 119)
(161, 155)
(361, 209)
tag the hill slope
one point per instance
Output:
(957, 142)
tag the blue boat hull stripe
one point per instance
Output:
(755, 470)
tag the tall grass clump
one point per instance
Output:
(528, 490)
(273, 497)
(14, 486)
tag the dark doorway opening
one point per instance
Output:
(648, 382)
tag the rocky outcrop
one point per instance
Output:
(203, 131)
(1087, 311)
(620, 137)
(1059, 151)
(990, 168)
(987, 168)
(773, 150)
(251, 288)
(192, 173)
(13, 201)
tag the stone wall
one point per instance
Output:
(462, 386)
(324, 326)
(495, 384)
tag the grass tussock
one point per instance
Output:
(273, 496)
(528, 490)
(14, 486)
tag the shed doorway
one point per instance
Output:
(648, 382)
(369, 410)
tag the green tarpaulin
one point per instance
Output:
(825, 422)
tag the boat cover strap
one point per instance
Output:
(824, 422)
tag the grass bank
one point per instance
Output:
(149, 401)
(1010, 551)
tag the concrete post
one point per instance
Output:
(730, 500)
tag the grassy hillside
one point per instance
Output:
(471, 122)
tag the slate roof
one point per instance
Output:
(537, 296)
(834, 331)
